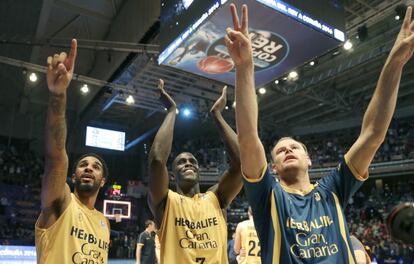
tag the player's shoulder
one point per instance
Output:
(244, 224)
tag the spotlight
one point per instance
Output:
(293, 75)
(177, 111)
(130, 100)
(229, 104)
(348, 45)
(277, 82)
(400, 11)
(84, 89)
(312, 63)
(33, 77)
(262, 90)
(186, 112)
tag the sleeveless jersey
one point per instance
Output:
(249, 243)
(79, 235)
(193, 230)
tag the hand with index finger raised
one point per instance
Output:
(60, 70)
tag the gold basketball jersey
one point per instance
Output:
(249, 243)
(79, 235)
(193, 230)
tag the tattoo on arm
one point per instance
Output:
(59, 134)
(56, 123)
(57, 104)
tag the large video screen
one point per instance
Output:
(178, 15)
(329, 11)
(105, 138)
(283, 37)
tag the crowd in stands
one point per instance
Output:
(207, 150)
(18, 165)
(367, 215)
(20, 176)
(21, 171)
(325, 149)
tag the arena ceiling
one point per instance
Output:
(117, 57)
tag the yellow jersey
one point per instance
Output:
(250, 246)
(193, 230)
(80, 235)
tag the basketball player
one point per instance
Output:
(192, 227)
(246, 243)
(298, 222)
(69, 228)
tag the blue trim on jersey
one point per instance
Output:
(309, 228)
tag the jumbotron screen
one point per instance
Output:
(105, 138)
(284, 34)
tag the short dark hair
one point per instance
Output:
(104, 166)
(148, 222)
(176, 158)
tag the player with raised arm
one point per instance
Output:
(300, 222)
(69, 228)
(192, 226)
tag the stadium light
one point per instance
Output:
(187, 112)
(262, 90)
(130, 100)
(348, 45)
(84, 89)
(33, 77)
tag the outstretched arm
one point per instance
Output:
(55, 194)
(158, 157)
(239, 46)
(381, 108)
(230, 183)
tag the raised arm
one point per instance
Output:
(239, 46)
(158, 157)
(230, 183)
(55, 194)
(381, 108)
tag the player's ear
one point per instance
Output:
(103, 182)
(274, 169)
(172, 176)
